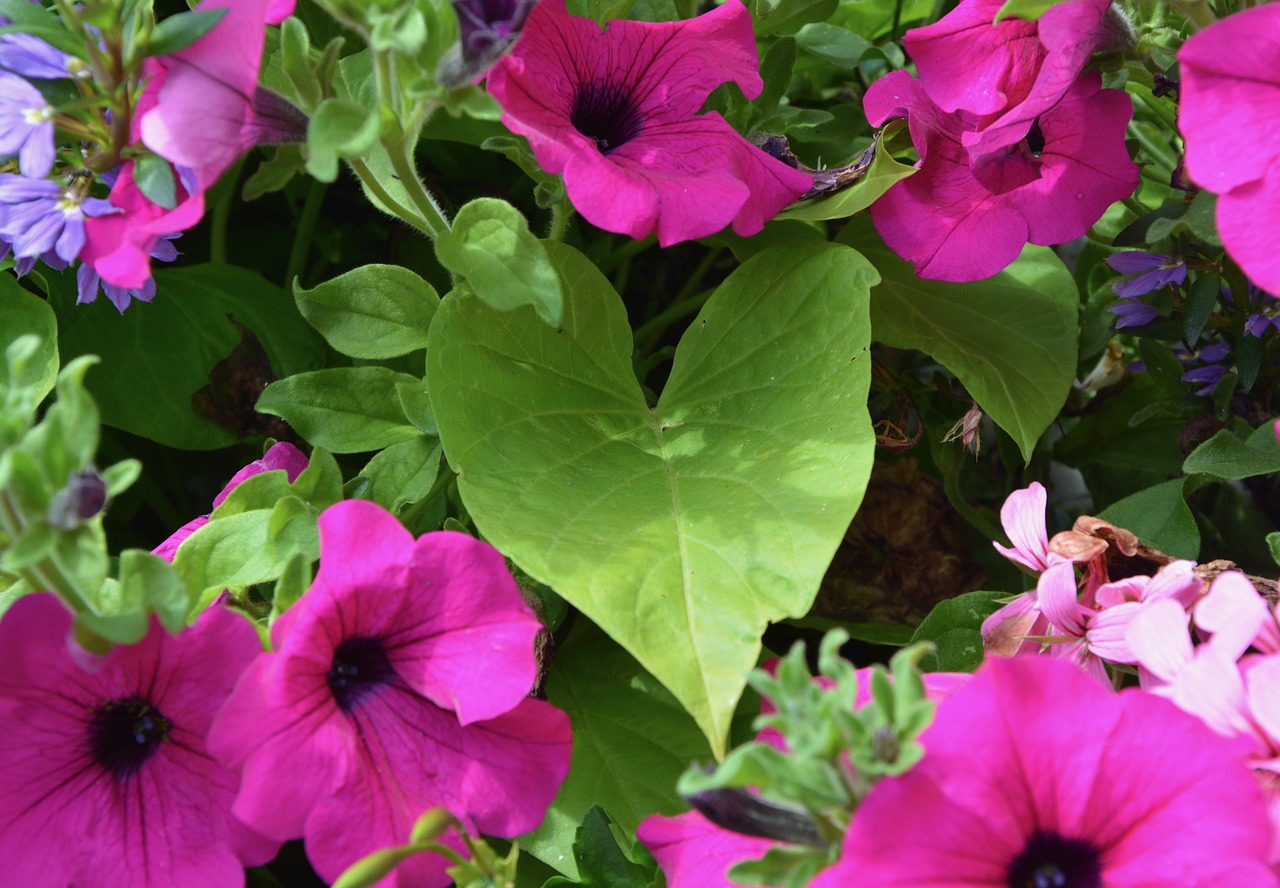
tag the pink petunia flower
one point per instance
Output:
(1036, 775)
(1230, 85)
(282, 455)
(106, 780)
(1012, 72)
(958, 221)
(617, 114)
(399, 683)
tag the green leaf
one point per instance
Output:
(833, 44)
(879, 178)
(788, 16)
(30, 18)
(1028, 10)
(402, 473)
(22, 313)
(505, 265)
(344, 409)
(632, 742)
(374, 312)
(1273, 543)
(1160, 517)
(339, 128)
(295, 59)
(180, 31)
(1011, 339)
(600, 861)
(157, 357)
(1164, 369)
(155, 178)
(955, 626)
(682, 529)
(1226, 457)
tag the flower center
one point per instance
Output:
(1051, 861)
(360, 665)
(125, 733)
(607, 113)
(37, 116)
(1035, 139)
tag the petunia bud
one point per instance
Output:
(485, 29)
(84, 496)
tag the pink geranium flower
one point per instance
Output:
(959, 221)
(399, 683)
(1036, 775)
(1011, 72)
(282, 455)
(106, 779)
(617, 114)
(1231, 85)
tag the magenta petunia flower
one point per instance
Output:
(399, 683)
(1231, 85)
(208, 108)
(617, 114)
(106, 779)
(1034, 775)
(1012, 72)
(960, 222)
(283, 456)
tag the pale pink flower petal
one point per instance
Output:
(1159, 639)
(1233, 613)
(1023, 516)
(617, 114)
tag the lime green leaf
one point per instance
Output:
(180, 31)
(682, 529)
(632, 742)
(339, 128)
(1160, 517)
(35, 364)
(374, 312)
(1011, 339)
(504, 264)
(880, 177)
(344, 409)
(1227, 457)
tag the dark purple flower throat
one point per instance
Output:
(1051, 861)
(125, 733)
(360, 665)
(607, 113)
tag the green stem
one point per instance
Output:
(1166, 160)
(306, 228)
(951, 482)
(402, 162)
(45, 575)
(392, 206)
(443, 479)
(561, 213)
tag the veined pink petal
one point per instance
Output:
(1233, 612)
(695, 853)
(1159, 639)
(617, 114)
(1023, 516)
(1059, 598)
(1262, 678)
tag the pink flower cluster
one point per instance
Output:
(1143, 622)
(398, 683)
(1017, 142)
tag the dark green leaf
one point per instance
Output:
(955, 626)
(1161, 519)
(155, 177)
(180, 31)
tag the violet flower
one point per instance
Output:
(617, 114)
(400, 682)
(89, 282)
(1153, 271)
(958, 221)
(29, 56)
(1212, 371)
(26, 126)
(1229, 83)
(41, 215)
(106, 779)
(1034, 774)
(1130, 312)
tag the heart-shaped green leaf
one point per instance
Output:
(682, 529)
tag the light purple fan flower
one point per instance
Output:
(89, 282)
(29, 56)
(41, 215)
(26, 126)
(106, 779)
